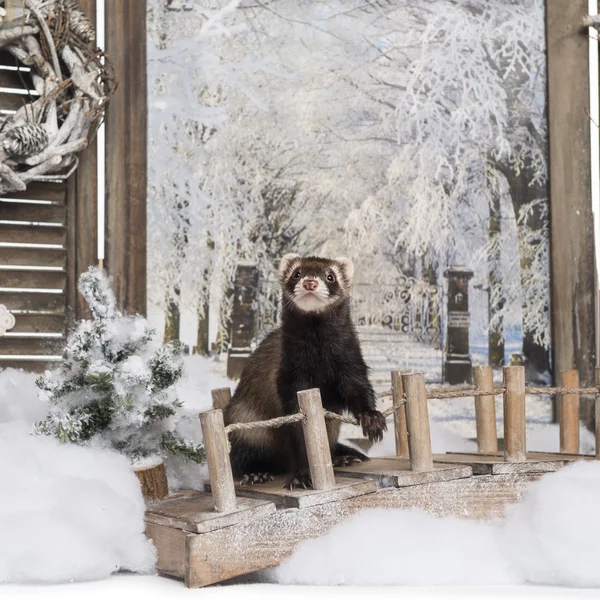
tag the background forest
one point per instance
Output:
(408, 134)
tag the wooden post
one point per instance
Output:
(217, 458)
(597, 415)
(569, 414)
(485, 411)
(154, 482)
(317, 442)
(514, 414)
(417, 422)
(399, 416)
(221, 397)
(126, 154)
(572, 266)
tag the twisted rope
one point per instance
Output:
(463, 392)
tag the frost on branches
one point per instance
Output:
(111, 389)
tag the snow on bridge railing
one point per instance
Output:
(411, 423)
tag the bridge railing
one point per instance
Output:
(411, 422)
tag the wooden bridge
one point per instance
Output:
(227, 530)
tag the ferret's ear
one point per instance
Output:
(347, 266)
(285, 263)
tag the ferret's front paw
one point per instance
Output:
(298, 480)
(373, 424)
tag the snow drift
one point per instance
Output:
(67, 512)
(549, 538)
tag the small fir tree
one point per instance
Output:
(111, 388)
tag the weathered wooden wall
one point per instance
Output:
(126, 134)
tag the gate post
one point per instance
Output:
(457, 366)
(243, 320)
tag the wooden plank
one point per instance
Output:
(284, 498)
(17, 278)
(82, 202)
(395, 471)
(31, 366)
(38, 190)
(195, 512)
(32, 234)
(28, 323)
(490, 464)
(126, 161)
(33, 257)
(256, 545)
(33, 301)
(27, 345)
(571, 219)
(25, 211)
(172, 543)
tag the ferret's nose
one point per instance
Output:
(310, 284)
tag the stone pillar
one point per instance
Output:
(457, 367)
(243, 320)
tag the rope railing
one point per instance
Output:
(288, 419)
(465, 392)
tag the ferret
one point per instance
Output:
(316, 346)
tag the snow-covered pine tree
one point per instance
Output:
(111, 388)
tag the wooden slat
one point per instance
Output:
(33, 257)
(571, 220)
(27, 323)
(15, 278)
(126, 162)
(33, 301)
(32, 366)
(32, 234)
(45, 213)
(51, 191)
(10, 345)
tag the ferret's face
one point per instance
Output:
(313, 284)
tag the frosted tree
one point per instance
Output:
(111, 388)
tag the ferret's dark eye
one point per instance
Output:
(297, 274)
(330, 277)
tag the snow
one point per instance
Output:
(75, 513)
(548, 538)
(67, 512)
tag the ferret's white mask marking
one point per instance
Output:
(315, 301)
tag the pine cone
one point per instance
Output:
(25, 140)
(81, 26)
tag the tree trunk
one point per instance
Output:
(202, 343)
(172, 322)
(496, 335)
(154, 482)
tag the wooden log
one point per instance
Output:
(317, 442)
(399, 415)
(153, 481)
(221, 397)
(217, 458)
(569, 414)
(417, 422)
(514, 414)
(597, 415)
(485, 411)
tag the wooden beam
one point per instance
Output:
(571, 222)
(126, 164)
(82, 207)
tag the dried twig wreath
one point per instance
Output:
(72, 82)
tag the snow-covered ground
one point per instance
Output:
(75, 513)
